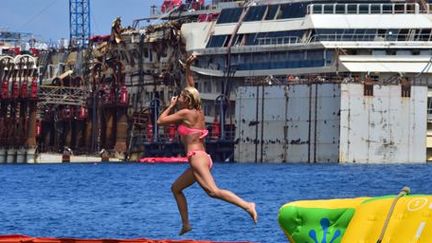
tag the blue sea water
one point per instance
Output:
(134, 200)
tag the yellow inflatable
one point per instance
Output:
(390, 219)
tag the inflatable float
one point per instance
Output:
(165, 160)
(28, 239)
(401, 218)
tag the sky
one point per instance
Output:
(48, 20)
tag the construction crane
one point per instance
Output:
(79, 22)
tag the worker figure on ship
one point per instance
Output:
(191, 127)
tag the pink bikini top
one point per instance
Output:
(184, 130)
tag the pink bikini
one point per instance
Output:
(184, 131)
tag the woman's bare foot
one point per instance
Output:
(252, 212)
(185, 229)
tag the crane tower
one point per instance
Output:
(79, 22)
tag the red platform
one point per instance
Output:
(28, 239)
(166, 160)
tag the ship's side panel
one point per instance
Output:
(418, 118)
(293, 123)
(352, 96)
(299, 129)
(382, 143)
(384, 127)
(272, 114)
(327, 122)
(246, 125)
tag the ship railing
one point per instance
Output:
(370, 37)
(156, 12)
(278, 40)
(373, 8)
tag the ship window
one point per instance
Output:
(360, 33)
(363, 8)
(207, 87)
(250, 39)
(392, 34)
(255, 13)
(299, 10)
(369, 34)
(410, 8)
(271, 12)
(328, 56)
(381, 33)
(229, 15)
(387, 8)
(317, 8)
(283, 11)
(375, 9)
(292, 10)
(403, 34)
(314, 54)
(424, 35)
(227, 41)
(216, 41)
(296, 55)
(239, 40)
(399, 8)
(390, 52)
(348, 35)
(218, 88)
(340, 9)
(328, 8)
(206, 108)
(352, 9)
(415, 52)
(429, 108)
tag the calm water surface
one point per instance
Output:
(134, 200)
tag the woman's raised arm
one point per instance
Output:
(165, 118)
(189, 77)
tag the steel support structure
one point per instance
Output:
(58, 95)
(79, 22)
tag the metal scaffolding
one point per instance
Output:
(58, 95)
(79, 22)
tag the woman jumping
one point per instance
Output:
(192, 131)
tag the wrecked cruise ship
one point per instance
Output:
(281, 81)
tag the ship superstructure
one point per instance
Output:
(314, 50)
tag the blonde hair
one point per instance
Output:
(194, 100)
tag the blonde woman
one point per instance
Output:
(191, 127)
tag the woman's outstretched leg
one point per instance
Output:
(183, 181)
(202, 174)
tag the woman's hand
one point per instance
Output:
(173, 101)
(190, 60)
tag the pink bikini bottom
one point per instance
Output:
(192, 153)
